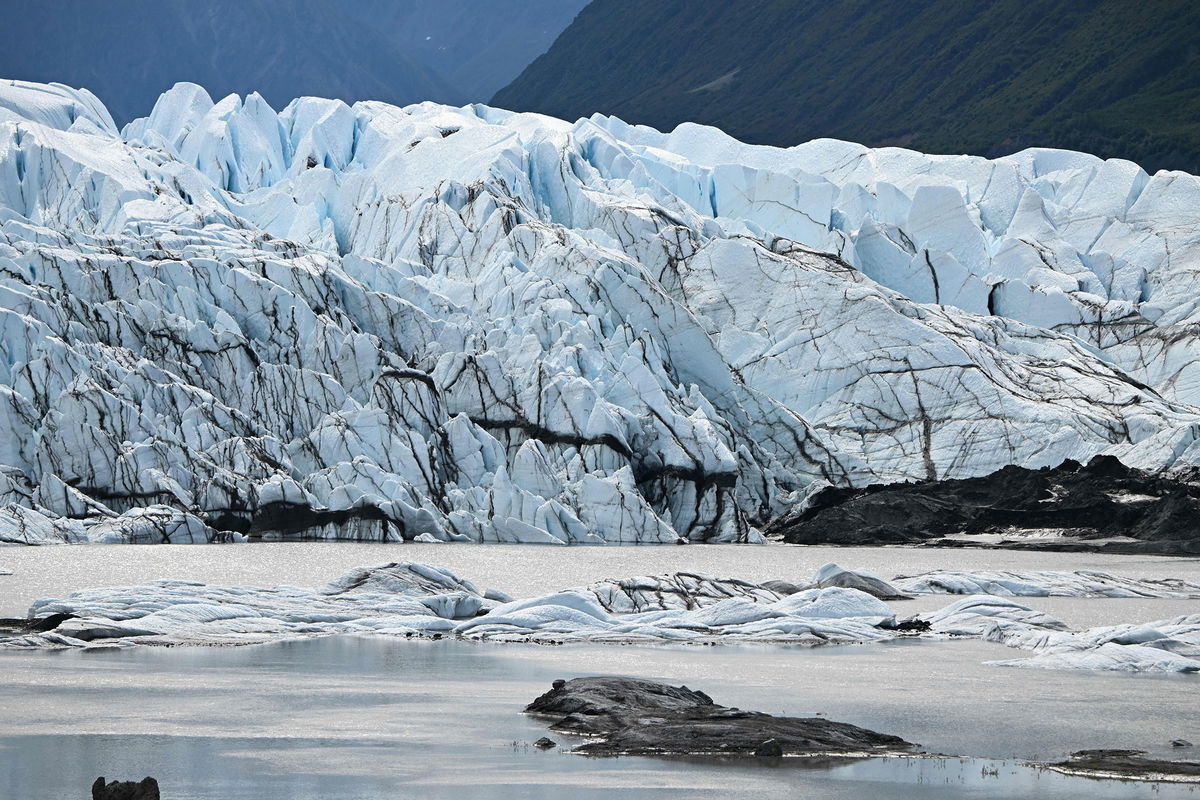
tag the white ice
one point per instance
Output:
(1164, 646)
(417, 600)
(1081, 583)
(463, 324)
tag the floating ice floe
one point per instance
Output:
(413, 599)
(416, 600)
(1081, 583)
(464, 324)
(814, 616)
(395, 599)
(679, 590)
(1170, 645)
(833, 575)
(981, 614)
(1166, 646)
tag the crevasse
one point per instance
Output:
(471, 325)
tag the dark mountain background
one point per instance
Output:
(402, 51)
(1111, 77)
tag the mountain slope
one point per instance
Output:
(129, 51)
(478, 46)
(465, 324)
(1112, 78)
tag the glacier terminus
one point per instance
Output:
(464, 324)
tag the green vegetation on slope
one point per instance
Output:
(1111, 77)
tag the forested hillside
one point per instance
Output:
(1109, 77)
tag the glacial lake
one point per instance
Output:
(376, 718)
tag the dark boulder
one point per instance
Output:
(769, 749)
(43, 624)
(639, 717)
(36, 625)
(146, 789)
(910, 625)
(545, 743)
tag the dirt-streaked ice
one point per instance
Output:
(464, 324)
(1081, 583)
(417, 600)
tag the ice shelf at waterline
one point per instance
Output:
(465, 324)
(417, 600)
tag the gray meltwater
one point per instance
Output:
(376, 718)
(382, 718)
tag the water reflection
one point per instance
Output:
(373, 719)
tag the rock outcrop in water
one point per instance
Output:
(631, 716)
(145, 789)
(1130, 764)
(1102, 505)
(628, 716)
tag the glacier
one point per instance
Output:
(464, 324)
